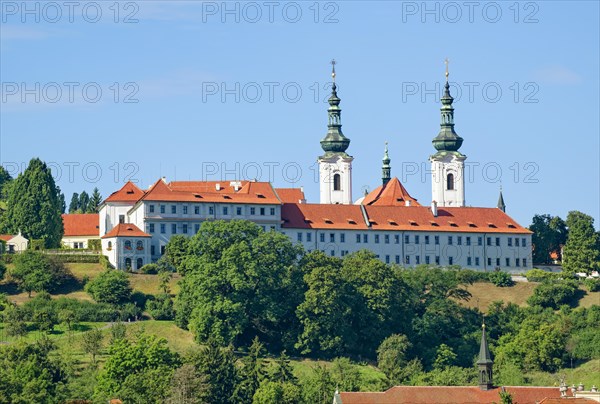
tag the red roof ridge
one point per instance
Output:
(391, 194)
(126, 230)
(129, 192)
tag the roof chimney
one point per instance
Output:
(407, 203)
(218, 187)
(434, 208)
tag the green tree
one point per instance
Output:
(277, 392)
(252, 373)
(549, 234)
(554, 295)
(2, 267)
(92, 342)
(345, 375)
(187, 386)
(5, 178)
(392, 358)
(282, 370)
(445, 357)
(95, 201)
(61, 200)
(176, 250)
(74, 204)
(216, 366)
(111, 286)
(138, 371)
(84, 201)
(240, 282)
(36, 272)
(30, 373)
(14, 317)
(582, 250)
(33, 206)
(318, 388)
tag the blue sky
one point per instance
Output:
(213, 90)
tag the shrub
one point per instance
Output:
(103, 260)
(36, 272)
(82, 310)
(501, 279)
(470, 276)
(538, 275)
(111, 286)
(162, 307)
(554, 295)
(94, 244)
(592, 285)
(2, 270)
(150, 269)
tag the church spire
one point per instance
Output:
(447, 140)
(335, 141)
(484, 363)
(386, 169)
(501, 204)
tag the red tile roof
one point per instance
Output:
(126, 230)
(6, 237)
(448, 394)
(412, 218)
(391, 194)
(212, 191)
(81, 224)
(290, 195)
(128, 193)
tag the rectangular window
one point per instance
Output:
(151, 208)
(185, 228)
(238, 211)
(427, 259)
(489, 262)
(449, 240)
(437, 260)
(196, 210)
(262, 211)
(309, 237)
(397, 239)
(152, 250)
(151, 227)
(365, 238)
(272, 227)
(479, 240)
(524, 262)
(523, 242)
(417, 239)
(397, 259)
(426, 239)
(459, 240)
(299, 236)
(185, 209)
(476, 261)
(377, 239)
(322, 237)
(517, 241)
(498, 241)
(517, 262)
(450, 261)
(358, 238)
(406, 240)
(418, 259)
(468, 240)
(211, 210)
(162, 228)
(272, 210)
(196, 228)
(436, 239)
(469, 261)
(173, 228)
(508, 262)
(121, 218)
(343, 238)
(488, 241)
(225, 210)
(252, 211)
(509, 241)
(386, 238)
(497, 262)
(407, 260)
(332, 237)
(332, 253)
(162, 250)
(162, 208)
(387, 259)
(173, 209)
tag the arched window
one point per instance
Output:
(450, 182)
(139, 245)
(128, 263)
(139, 263)
(128, 244)
(109, 245)
(337, 182)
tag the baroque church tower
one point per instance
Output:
(448, 164)
(335, 166)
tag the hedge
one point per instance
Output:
(72, 258)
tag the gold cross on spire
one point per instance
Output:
(447, 62)
(333, 63)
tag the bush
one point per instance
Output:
(501, 279)
(103, 260)
(95, 244)
(592, 285)
(36, 272)
(161, 308)
(82, 310)
(2, 270)
(37, 245)
(555, 294)
(470, 276)
(111, 286)
(150, 269)
(538, 275)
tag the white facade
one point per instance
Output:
(335, 179)
(78, 242)
(448, 179)
(16, 243)
(129, 253)
(478, 251)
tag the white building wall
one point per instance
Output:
(69, 241)
(118, 255)
(440, 168)
(110, 213)
(328, 168)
